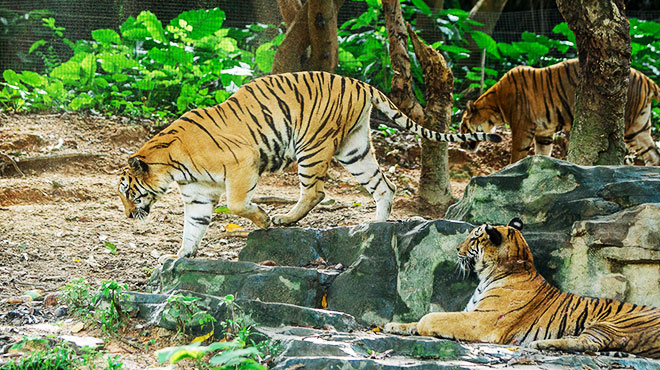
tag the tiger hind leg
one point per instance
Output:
(359, 160)
(311, 172)
(603, 336)
(569, 344)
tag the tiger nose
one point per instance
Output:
(130, 215)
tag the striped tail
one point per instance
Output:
(385, 105)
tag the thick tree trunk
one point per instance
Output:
(434, 185)
(289, 9)
(434, 179)
(322, 18)
(315, 25)
(603, 42)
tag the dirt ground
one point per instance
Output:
(58, 216)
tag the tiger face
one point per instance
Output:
(479, 120)
(136, 197)
(490, 246)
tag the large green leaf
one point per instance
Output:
(32, 78)
(106, 36)
(422, 6)
(199, 23)
(484, 41)
(68, 72)
(152, 24)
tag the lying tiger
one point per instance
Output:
(269, 123)
(513, 304)
(537, 102)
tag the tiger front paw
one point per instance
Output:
(401, 329)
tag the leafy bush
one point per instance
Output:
(146, 69)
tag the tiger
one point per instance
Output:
(265, 126)
(537, 102)
(513, 304)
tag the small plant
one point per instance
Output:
(237, 350)
(113, 363)
(77, 296)
(60, 357)
(185, 312)
(108, 301)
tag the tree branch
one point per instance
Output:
(401, 93)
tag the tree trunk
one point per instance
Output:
(289, 9)
(434, 184)
(603, 42)
(402, 92)
(322, 18)
(315, 25)
(434, 179)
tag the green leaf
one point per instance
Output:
(649, 28)
(234, 357)
(176, 354)
(422, 6)
(68, 72)
(32, 78)
(562, 29)
(36, 45)
(153, 25)
(199, 23)
(88, 68)
(106, 36)
(484, 41)
(223, 209)
(11, 77)
(264, 57)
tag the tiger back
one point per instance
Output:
(537, 102)
(268, 124)
(514, 304)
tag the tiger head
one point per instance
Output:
(134, 190)
(479, 120)
(489, 248)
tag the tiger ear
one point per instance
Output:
(494, 235)
(138, 166)
(516, 223)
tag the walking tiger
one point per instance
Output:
(269, 123)
(537, 102)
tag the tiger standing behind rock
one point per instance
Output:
(514, 304)
(537, 102)
(306, 117)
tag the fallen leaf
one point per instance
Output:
(15, 300)
(232, 227)
(324, 300)
(204, 337)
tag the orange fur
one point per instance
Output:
(537, 102)
(514, 304)
(269, 123)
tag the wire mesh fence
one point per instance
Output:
(22, 24)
